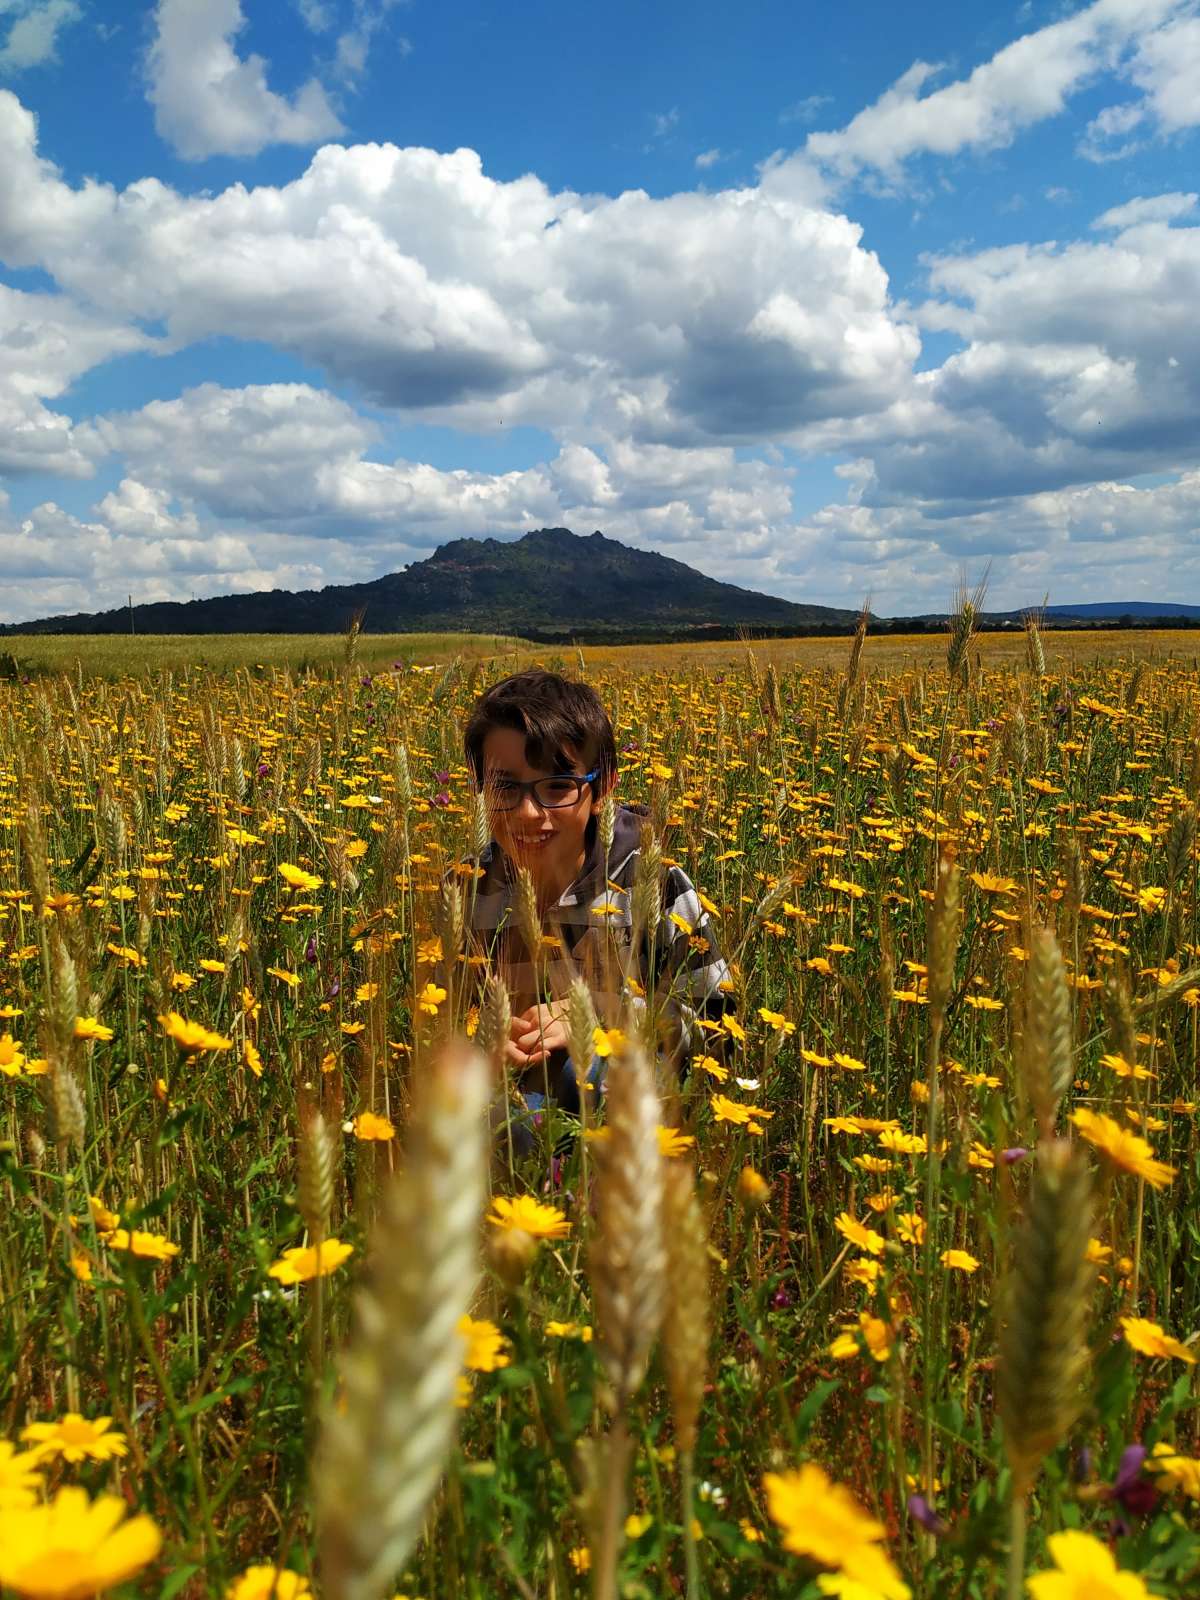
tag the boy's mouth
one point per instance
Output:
(533, 841)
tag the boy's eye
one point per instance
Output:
(558, 788)
(504, 788)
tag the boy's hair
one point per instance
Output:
(556, 715)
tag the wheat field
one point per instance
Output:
(895, 1293)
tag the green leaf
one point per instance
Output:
(813, 1401)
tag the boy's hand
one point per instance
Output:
(538, 1031)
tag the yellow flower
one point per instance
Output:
(844, 886)
(1124, 1149)
(753, 1188)
(1174, 1471)
(580, 1558)
(822, 1520)
(252, 1058)
(1086, 1571)
(192, 1037)
(366, 991)
(860, 1237)
(988, 883)
(960, 1260)
(368, 1126)
(713, 1067)
(290, 978)
(569, 1330)
(1148, 1339)
(72, 1548)
(904, 1144)
(636, 1526)
(734, 1028)
(269, 1583)
(776, 1019)
(12, 1058)
(297, 878)
(673, 1143)
(606, 1040)
(485, 1345)
(863, 1270)
(910, 1227)
(92, 1028)
(300, 1264)
(75, 1438)
(430, 998)
(20, 1481)
(147, 1246)
(529, 1216)
(1125, 1069)
(726, 1110)
(848, 1063)
(104, 1219)
(207, 964)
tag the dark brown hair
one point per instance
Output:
(556, 715)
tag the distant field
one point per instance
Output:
(109, 656)
(1068, 648)
(114, 655)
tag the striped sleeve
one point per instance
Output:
(688, 968)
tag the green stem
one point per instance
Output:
(137, 1316)
(1016, 1548)
(687, 1497)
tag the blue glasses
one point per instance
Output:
(550, 794)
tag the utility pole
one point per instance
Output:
(130, 599)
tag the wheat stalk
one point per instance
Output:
(381, 1452)
(628, 1271)
(685, 1334)
(1046, 1057)
(1043, 1350)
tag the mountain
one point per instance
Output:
(1102, 609)
(550, 584)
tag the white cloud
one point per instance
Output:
(444, 294)
(32, 38)
(354, 45)
(46, 342)
(1102, 136)
(1148, 208)
(209, 101)
(1167, 69)
(316, 15)
(805, 110)
(666, 122)
(708, 158)
(1024, 83)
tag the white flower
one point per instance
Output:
(747, 1083)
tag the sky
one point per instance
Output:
(862, 303)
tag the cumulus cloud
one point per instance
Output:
(209, 101)
(32, 38)
(46, 342)
(435, 290)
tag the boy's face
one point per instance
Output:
(547, 840)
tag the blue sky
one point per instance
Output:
(292, 291)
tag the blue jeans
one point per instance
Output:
(566, 1091)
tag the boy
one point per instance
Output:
(541, 749)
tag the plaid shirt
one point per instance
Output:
(678, 972)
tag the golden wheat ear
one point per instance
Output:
(383, 1446)
(1046, 1303)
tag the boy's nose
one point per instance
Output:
(529, 810)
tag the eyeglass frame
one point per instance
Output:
(528, 786)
